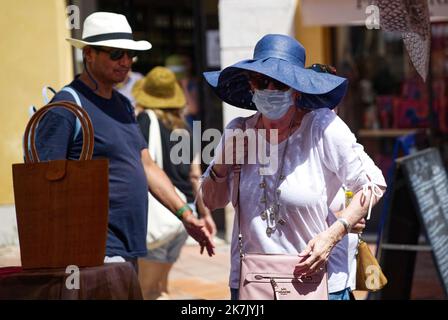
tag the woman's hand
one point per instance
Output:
(197, 229)
(231, 151)
(316, 252)
(359, 227)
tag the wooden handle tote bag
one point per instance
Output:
(62, 205)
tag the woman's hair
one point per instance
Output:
(171, 118)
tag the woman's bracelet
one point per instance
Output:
(217, 178)
(181, 211)
(346, 224)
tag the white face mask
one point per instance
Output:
(273, 104)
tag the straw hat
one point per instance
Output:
(159, 89)
(109, 30)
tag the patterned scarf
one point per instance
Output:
(411, 18)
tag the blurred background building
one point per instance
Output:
(386, 98)
(211, 33)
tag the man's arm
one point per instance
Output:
(53, 135)
(204, 212)
(163, 190)
(160, 185)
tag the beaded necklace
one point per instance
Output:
(271, 213)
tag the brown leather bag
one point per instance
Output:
(369, 276)
(62, 205)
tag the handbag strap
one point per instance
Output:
(80, 113)
(236, 195)
(236, 198)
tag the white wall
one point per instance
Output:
(8, 226)
(34, 54)
(241, 25)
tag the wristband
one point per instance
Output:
(346, 225)
(181, 211)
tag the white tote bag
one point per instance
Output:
(163, 225)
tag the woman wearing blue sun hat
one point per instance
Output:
(284, 211)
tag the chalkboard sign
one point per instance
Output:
(427, 178)
(419, 198)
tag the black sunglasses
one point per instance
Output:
(116, 54)
(261, 82)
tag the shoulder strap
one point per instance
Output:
(78, 102)
(31, 110)
(236, 197)
(155, 139)
(45, 94)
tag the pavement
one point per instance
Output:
(196, 277)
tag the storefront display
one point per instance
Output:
(387, 98)
(386, 91)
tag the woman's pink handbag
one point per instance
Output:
(273, 277)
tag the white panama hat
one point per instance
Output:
(109, 30)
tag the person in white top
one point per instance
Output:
(125, 87)
(284, 205)
(342, 279)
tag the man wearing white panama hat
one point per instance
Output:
(108, 49)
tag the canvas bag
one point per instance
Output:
(62, 206)
(274, 276)
(163, 225)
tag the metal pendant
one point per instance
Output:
(264, 215)
(263, 185)
(272, 217)
(273, 208)
(272, 212)
(269, 231)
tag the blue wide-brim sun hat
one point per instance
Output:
(282, 58)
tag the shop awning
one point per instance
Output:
(353, 12)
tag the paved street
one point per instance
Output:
(196, 276)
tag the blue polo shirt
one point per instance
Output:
(117, 138)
